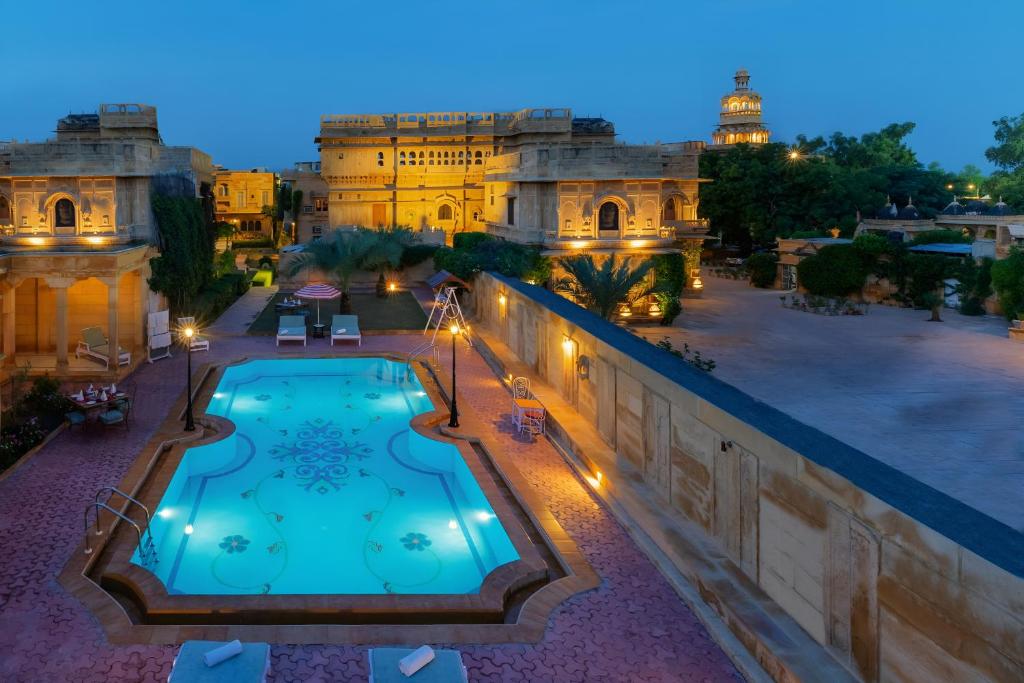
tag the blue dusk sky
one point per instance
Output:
(247, 81)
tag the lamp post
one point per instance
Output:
(190, 425)
(454, 420)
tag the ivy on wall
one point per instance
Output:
(185, 263)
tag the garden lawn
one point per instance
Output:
(398, 311)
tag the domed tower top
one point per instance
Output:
(739, 120)
(742, 79)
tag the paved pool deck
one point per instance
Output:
(942, 402)
(632, 628)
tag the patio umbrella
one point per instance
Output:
(318, 292)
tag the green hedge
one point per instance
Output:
(415, 254)
(836, 270)
(508, 258)
(762, 268)
(470, 240)
(218, 295)
(1008, 282)
(261, 243)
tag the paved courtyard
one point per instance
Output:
(940, 401)
(632, 628)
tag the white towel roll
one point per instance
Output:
(219, 654)
(416, 660)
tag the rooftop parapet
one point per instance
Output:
(573, 161)
(500, 123)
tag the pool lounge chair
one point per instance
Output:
(345, 327)
(94, 345)
(447, 667)
(251, 666)
(291, 328)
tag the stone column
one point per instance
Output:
(7, 330)
(60, 285)
(113, 333)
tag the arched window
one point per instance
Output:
(444, 212)
(479, 158)
(669, 214)
(421, 158)
(608, 217)
(64, 214)
(259, 226)
(380, 158)
(401, 158)
(223, 190)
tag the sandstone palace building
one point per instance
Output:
(76, 235)
(539, 176)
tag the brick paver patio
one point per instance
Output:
(632, 628)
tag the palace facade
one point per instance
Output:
(537, 176)
(241, 197)
(77, 233)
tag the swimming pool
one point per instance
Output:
(324, 488)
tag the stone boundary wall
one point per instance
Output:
(897, 581)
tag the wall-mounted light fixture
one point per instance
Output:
(502, 299)
(583, 367)
(567, 344)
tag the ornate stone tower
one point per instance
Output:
(740, 117)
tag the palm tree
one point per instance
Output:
(386, 253)
(341, 254)
(601, 289)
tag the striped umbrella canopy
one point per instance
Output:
(318, 291)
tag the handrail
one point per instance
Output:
(124, 495)
(143, 549)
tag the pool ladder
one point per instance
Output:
(147, 549)
(435, 354)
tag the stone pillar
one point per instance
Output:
(113, 333)
(7, 330)
(60, 285)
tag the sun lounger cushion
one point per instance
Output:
(251, 666)
(446, 668)
(292, 326)
(345, 325)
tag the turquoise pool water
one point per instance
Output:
(324, 488)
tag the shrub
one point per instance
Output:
(925, 274)
(669, 282)
(695, 359)
(261, 243)
(1008, 282)
(508, 258)
(470, 240)
(761, 267)
(975, 285)
(940, 237)
(218, 295)
(16, 440)
(458, 262)
(836, 270)
(414, 254)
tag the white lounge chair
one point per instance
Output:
(94, 345)
(251, 666)
(291, 328)
(447, 667)
(345, 327)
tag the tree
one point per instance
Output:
(1008, 152)
(340, 254)
(296, 204)
(1008, 155)
(602, 289)
(1008, 281)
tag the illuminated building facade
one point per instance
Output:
(308, 220)
(537, 176)
(740, 117)
(77, 233)
(240, 199)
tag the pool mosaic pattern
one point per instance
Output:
(324, 489)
